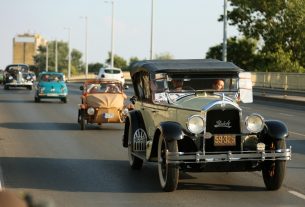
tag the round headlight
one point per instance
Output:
(255, 123)
(196, 124)
(90, 111)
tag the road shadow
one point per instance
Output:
(78, 175)
(17, 101)
(40, 126)
(60, 126)
(89, 175)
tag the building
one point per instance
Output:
(25, 46)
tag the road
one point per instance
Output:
(43, 152)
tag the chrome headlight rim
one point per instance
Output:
(257, 128)
(90, 111)
(194, 126)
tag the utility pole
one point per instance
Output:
(224, 48)
(152, 30)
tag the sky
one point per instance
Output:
(186, 29)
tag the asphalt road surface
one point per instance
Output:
(43, 152)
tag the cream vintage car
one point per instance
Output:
(103, 101)
(187, 116)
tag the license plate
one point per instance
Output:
(224, 140)
(52, 94)
(108, 115)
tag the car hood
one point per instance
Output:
(201, 102)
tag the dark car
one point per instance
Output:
(18, 75)
(187, 116)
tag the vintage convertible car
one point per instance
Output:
(18, 75)
(187, 116)
(51, 85)
(103, 101)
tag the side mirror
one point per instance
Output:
(81, 88)
(245, 87)
(133, 99)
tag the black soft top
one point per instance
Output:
(185, 66)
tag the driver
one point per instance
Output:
(177, 84)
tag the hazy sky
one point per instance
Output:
(184, 28)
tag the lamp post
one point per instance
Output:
(112, 34)
(69, 52)
(86, 45)
(47, 56)
(56, 57)
(152, 30)
(224, 46)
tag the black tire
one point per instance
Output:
(30, 88)
(37, 99)
(274, 171)
(82, 121)
(134, 133)
(6, 87)
(168, 173)
(64, 100)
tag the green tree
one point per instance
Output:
(240, 51)
(279, 25)
(164, 56)
(95, 67)
(118, 62)
(62, 58)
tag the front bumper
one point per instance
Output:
(229, 156)
(16, 84)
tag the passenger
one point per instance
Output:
(112, 88)
(177, 84)
(218, 85)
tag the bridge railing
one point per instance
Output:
(275, 80)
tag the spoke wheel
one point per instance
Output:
(274, 170)
(168, 173)
(134, 134)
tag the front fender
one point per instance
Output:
(276, 129)
(134, 118)
(171, 131)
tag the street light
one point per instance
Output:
(56, 57)
(69, 52)
(152, 30)
(112, 34)
(86, 45)
(47, 56)
(224, 46)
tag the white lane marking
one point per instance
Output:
(297, 194)
(302, 135)
(286, 114)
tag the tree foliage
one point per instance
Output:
(279, 25)
(240, 51)
(62, 58)
(164, 56)
(118, 62)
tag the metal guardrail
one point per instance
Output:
(277, 80)
(270, 80)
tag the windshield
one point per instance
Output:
(52, 77)
(173, 88)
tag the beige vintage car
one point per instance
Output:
(103, 101)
